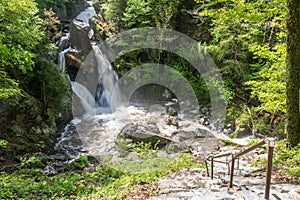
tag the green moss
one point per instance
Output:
(22, 131)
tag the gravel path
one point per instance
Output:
(249, 184)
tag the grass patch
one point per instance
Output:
(113, 181)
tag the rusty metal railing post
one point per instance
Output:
(228, 165)
(271, 144)
(212, 166)
(206, 167)
(232, 170)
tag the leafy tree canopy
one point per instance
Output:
(20, 31)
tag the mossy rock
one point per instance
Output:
(26, 127)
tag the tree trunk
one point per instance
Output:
(293, 70)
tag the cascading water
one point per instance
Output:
(98, 128)
(69, 144)
(62, 59)
(107, 76)
(87, 100)
(85, 15)
(107, 81)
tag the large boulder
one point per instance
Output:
(66, 10)
(141, 133)
(80, 37)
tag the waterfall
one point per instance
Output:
(63, 44)
(96, 132)
(87, 100)
(108, 78)
(69, 145)
(107, 81)
(62, 60)
(100, 102)
(64, 40)
(85, 15)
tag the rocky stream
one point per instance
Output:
(98, 131)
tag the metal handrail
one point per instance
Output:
(212, 159)
(251, 148)
(241, 153)
(271, 144)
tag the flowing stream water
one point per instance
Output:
(69, 144)
(97, 107)
(96, 130)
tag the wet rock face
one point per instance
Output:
(101, 133)
(69, 10)
(171, 111)
(139, 133)
(79, 37)
(182, 136)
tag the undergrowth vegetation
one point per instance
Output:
(286, 162)
(113, 181)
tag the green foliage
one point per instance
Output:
(137, 14)
(52, 23)
(162, 12)
(145, 149)
(36, 160)
(21, 30)
(126, 14)
(113, 12)
(268, 85)
(104, 181)
(8, 87)
(16, 57)
(295, 171)
(20, 24)
(231, 36)
(64, 9)
(248, 45)
(287, 160)
(80, 163)
(47, 84)
(31, 89)
(182, 69)
(232, 135)
(262, 122)
(253, 142)
(3, 143)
